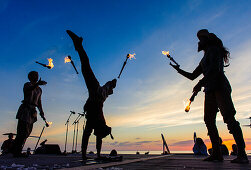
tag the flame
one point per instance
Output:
(67, 60)
(131, 56)
(49, 123)
(50, 62)
(166, 53)
(187, 105)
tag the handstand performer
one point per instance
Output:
(94, 104)
(27, 114)
(217, 93)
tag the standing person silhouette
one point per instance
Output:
(94, 104)
(217, 93)
(27, 114)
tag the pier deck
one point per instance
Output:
(73, 161)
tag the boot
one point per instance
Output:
(216, 156)
(241, 158)
(238, 137)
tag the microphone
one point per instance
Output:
(81, 114)
(72, 112)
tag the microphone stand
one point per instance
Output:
(67, 125)
(77, 121)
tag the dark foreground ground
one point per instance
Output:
(73, 161)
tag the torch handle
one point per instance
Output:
(74, 66)
(123, 67)
(193, 96)
(49, 67)
(171, 58)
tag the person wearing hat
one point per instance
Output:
(27, 113)
(7, 144)
(94, 104)
(217, 93)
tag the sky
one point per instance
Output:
(149, 97)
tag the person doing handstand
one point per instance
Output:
(94, 104)
(217, 93)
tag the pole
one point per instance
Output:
(73, 136)
(39, 138)
(76, 139)
(67, 124)
(76, 121)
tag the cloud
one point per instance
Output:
(183, 143)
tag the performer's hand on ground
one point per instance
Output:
(176, 67)
(41, 82)
(77, 41)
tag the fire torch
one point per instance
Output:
(68, 59)
(190, 101)
(169, 56)
(130, 56)
(49, 66)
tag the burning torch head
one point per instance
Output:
(33, 76)
(187, 106)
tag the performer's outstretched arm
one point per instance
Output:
(90, 79)
(191, 76)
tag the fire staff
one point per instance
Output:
(217, 93)
(27, 114)
(94, 104)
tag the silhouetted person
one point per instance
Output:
(217, 93)
(199, 147)
(223, 148)
(27, 114)
(94, 104)
(7, 145)
(234, 150)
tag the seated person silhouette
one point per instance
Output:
(7, 144)
(199, 147)
(235, 150)
(223, 148)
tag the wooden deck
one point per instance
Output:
(170, 162)
(73, 162)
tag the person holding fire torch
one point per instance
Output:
(94, 104)
(27, 114)
(217, 93)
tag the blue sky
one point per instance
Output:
(148, 99)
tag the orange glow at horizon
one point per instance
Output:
(50, 63)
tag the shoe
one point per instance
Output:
(213, 158)
(240, 160)
(77, 41)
